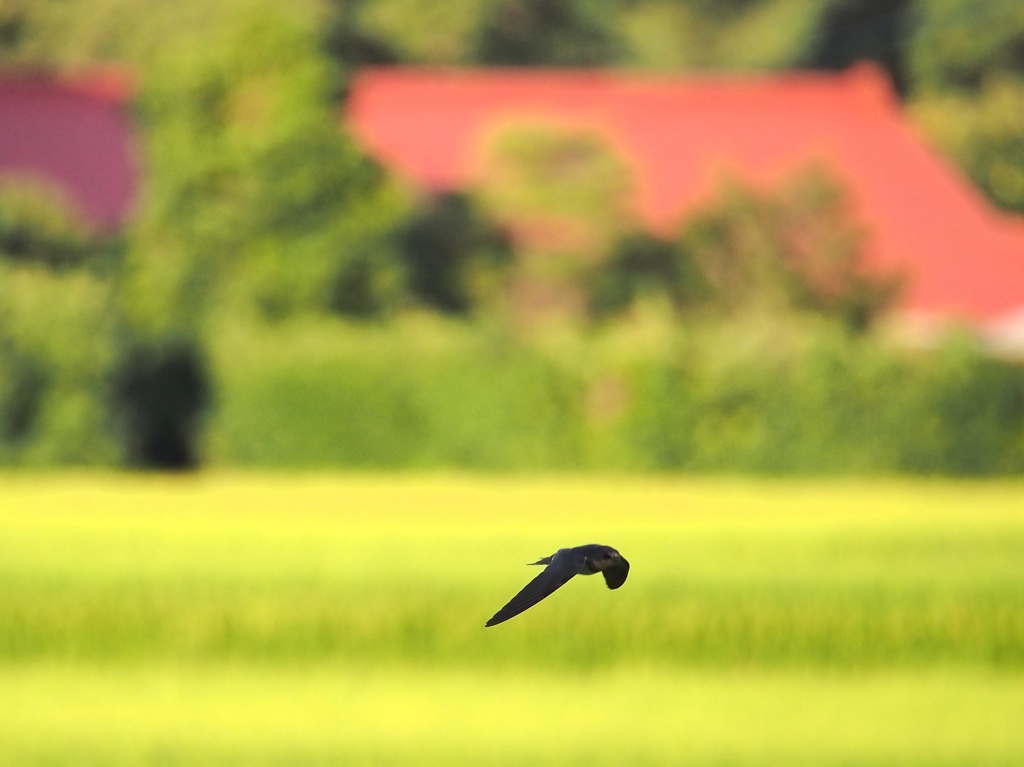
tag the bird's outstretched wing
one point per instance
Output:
(615, 576)
(563, 567)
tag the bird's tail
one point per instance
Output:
(545, 561)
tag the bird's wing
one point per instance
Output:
(616, 576)
(563, 567)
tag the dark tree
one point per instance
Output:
(442, 244)
(160, 394)
(345, 42)
(854, 30)
(642, 264)
(547, 33)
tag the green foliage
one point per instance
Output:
(982, 133)
(793, 248)
(961, 44)
(422, 31)
(642, 266)
(56, 345)
(769, 35)
(39, 225)
(698, 35)
(546, 33)
(948, 43)
(928, 46)
(837, 405)
(562, 194)
(753, 395)
(81, 32)
(257, 205)
(258, 210)
(417, 395)
(369, 281)
(56, 331)
(256, 196)
(453, 257)
(796, 248)
(848, 31)
(969, 69)
(348, 43)
(159, 396)
(533, 168)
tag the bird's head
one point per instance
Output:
(606, 558)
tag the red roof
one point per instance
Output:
(74, 132)
(964, 259)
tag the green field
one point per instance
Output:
(260, 620)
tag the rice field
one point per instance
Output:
(319, 620)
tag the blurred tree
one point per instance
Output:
(160, 393)
(56, 333)
(848, 31)
(255, 194)
(361, 289)
(348, 43)
(774, 34)
(961, 43)
(798, 247)
(562, 194)
(40, 225)
(255, 200)
(721, 9)
(453, 256)
(968, 69)
(984, 134)
(643, 265)
(23, 385)
(12, 29)
(547, 33)
(423, 31)
(56, 348)
(665, 36)
(370, 280)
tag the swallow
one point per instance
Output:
(561, 567)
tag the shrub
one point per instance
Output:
(643, 265)
(959, 44)
(257, 199)
(752, 395)
(848, 31)
(56, 346)
(795, 248)
(834, 404)
(40, 225)
(563, 197)
(982, 134)
(160, 392)
(56, 331)
(546, 33)
(453, 257)
(415, 395)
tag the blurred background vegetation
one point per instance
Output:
(280, 301)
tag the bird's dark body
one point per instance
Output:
(561, 567)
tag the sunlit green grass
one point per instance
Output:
(842, 575)
(259, 715)
(281, 620)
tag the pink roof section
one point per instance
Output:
(74, 132)
(962, 259)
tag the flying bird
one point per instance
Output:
(561, 566)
